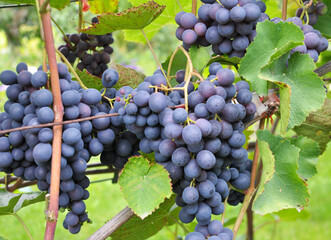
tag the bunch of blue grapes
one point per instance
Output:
(93, 51)
(202, 148)
(229, 27)
(27, 154)
(314, 42)
(313, 11)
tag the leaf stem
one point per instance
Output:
(156, 59)
(80, 15)
(65, 60)
(23, 224)
(58, 26)
(250, 191)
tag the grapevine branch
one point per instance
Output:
(284, 9)
(57, 130)
(112, 225)
(250, 191)
(53, 124)
(324, 69)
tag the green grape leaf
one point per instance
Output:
(200, 57)
(290, 215)
(248, 133)
(234, 61)
(317, 126)
(12, 202)
(144, 186)
(134, 18)
(272, 41)
(138, 229)
(59, 4)
(101, 6)
(308, 156)
(281, 187)
(167, 17)
(301, 90)
(128, 77)
(89, 80)
(323, 22)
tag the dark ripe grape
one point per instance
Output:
(71, 57)
(189, 36)
(311, 40)
(262, 6)
(157, 102)
(173, 130)
(234, 173)
(71, 219)
(321, 8)
(87, 59)
(230, 113)
(214, 67)
(22, 66)
(8, 77)
(108, 49)
(167, 147)
(6, 159)
(109, 78)
(244, 96)
(323, 45)
(237, 139)
(71, 112)
(225, 77)
(223, 16)
(206, 159)
(226, 30)
(16, 112)
(190, 195)
(204, 126)
(13, 91)
(24, 78)
(123, 148)
(94, 65)
(76, 194)
(106, 136)
(180, 156)
(63, 70)
(71, 136)
(312, 18)
(213, 10)
(203, 13)
(74, 229)
(253, 12)
(16, 138)
(184, 217)
(215, 227)
(201, 110)
(206, 89)
(82, 46)
(67, 186)
(158, 79)
(188, 20)
(264, 17)
(63, 200)
(213, 36)
(203, 229)
(66, 173)
(175, 172)
(39, 79)
(237, 14)
(191, 134)
(91, 96)
(228, 232)
(215, 104)
(192, 169)
(313, 54)
(240, 43)
(298, 12)
(43, 98)
(229, 3)
(225, 46)
(105, 57)
(45, 115)
(42, 153)
(203, 213)
(200, 29)
(178, 16)
(213, 145)
(242, 182)
(206, 189)
(95, 147)
(179, 33)
(74, 38)
(215, 200)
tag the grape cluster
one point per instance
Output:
(229, 27)
(93, 51)
(313, 12)
(314, 42)
(202, 148)
(214, 231)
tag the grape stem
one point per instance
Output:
(156, 59)
(251, 190)
(194, 6)
(23, 224)
(284, 9)
(64, 35)
(58, 112)
(71, 68)
(80, 15)
(223, 214)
